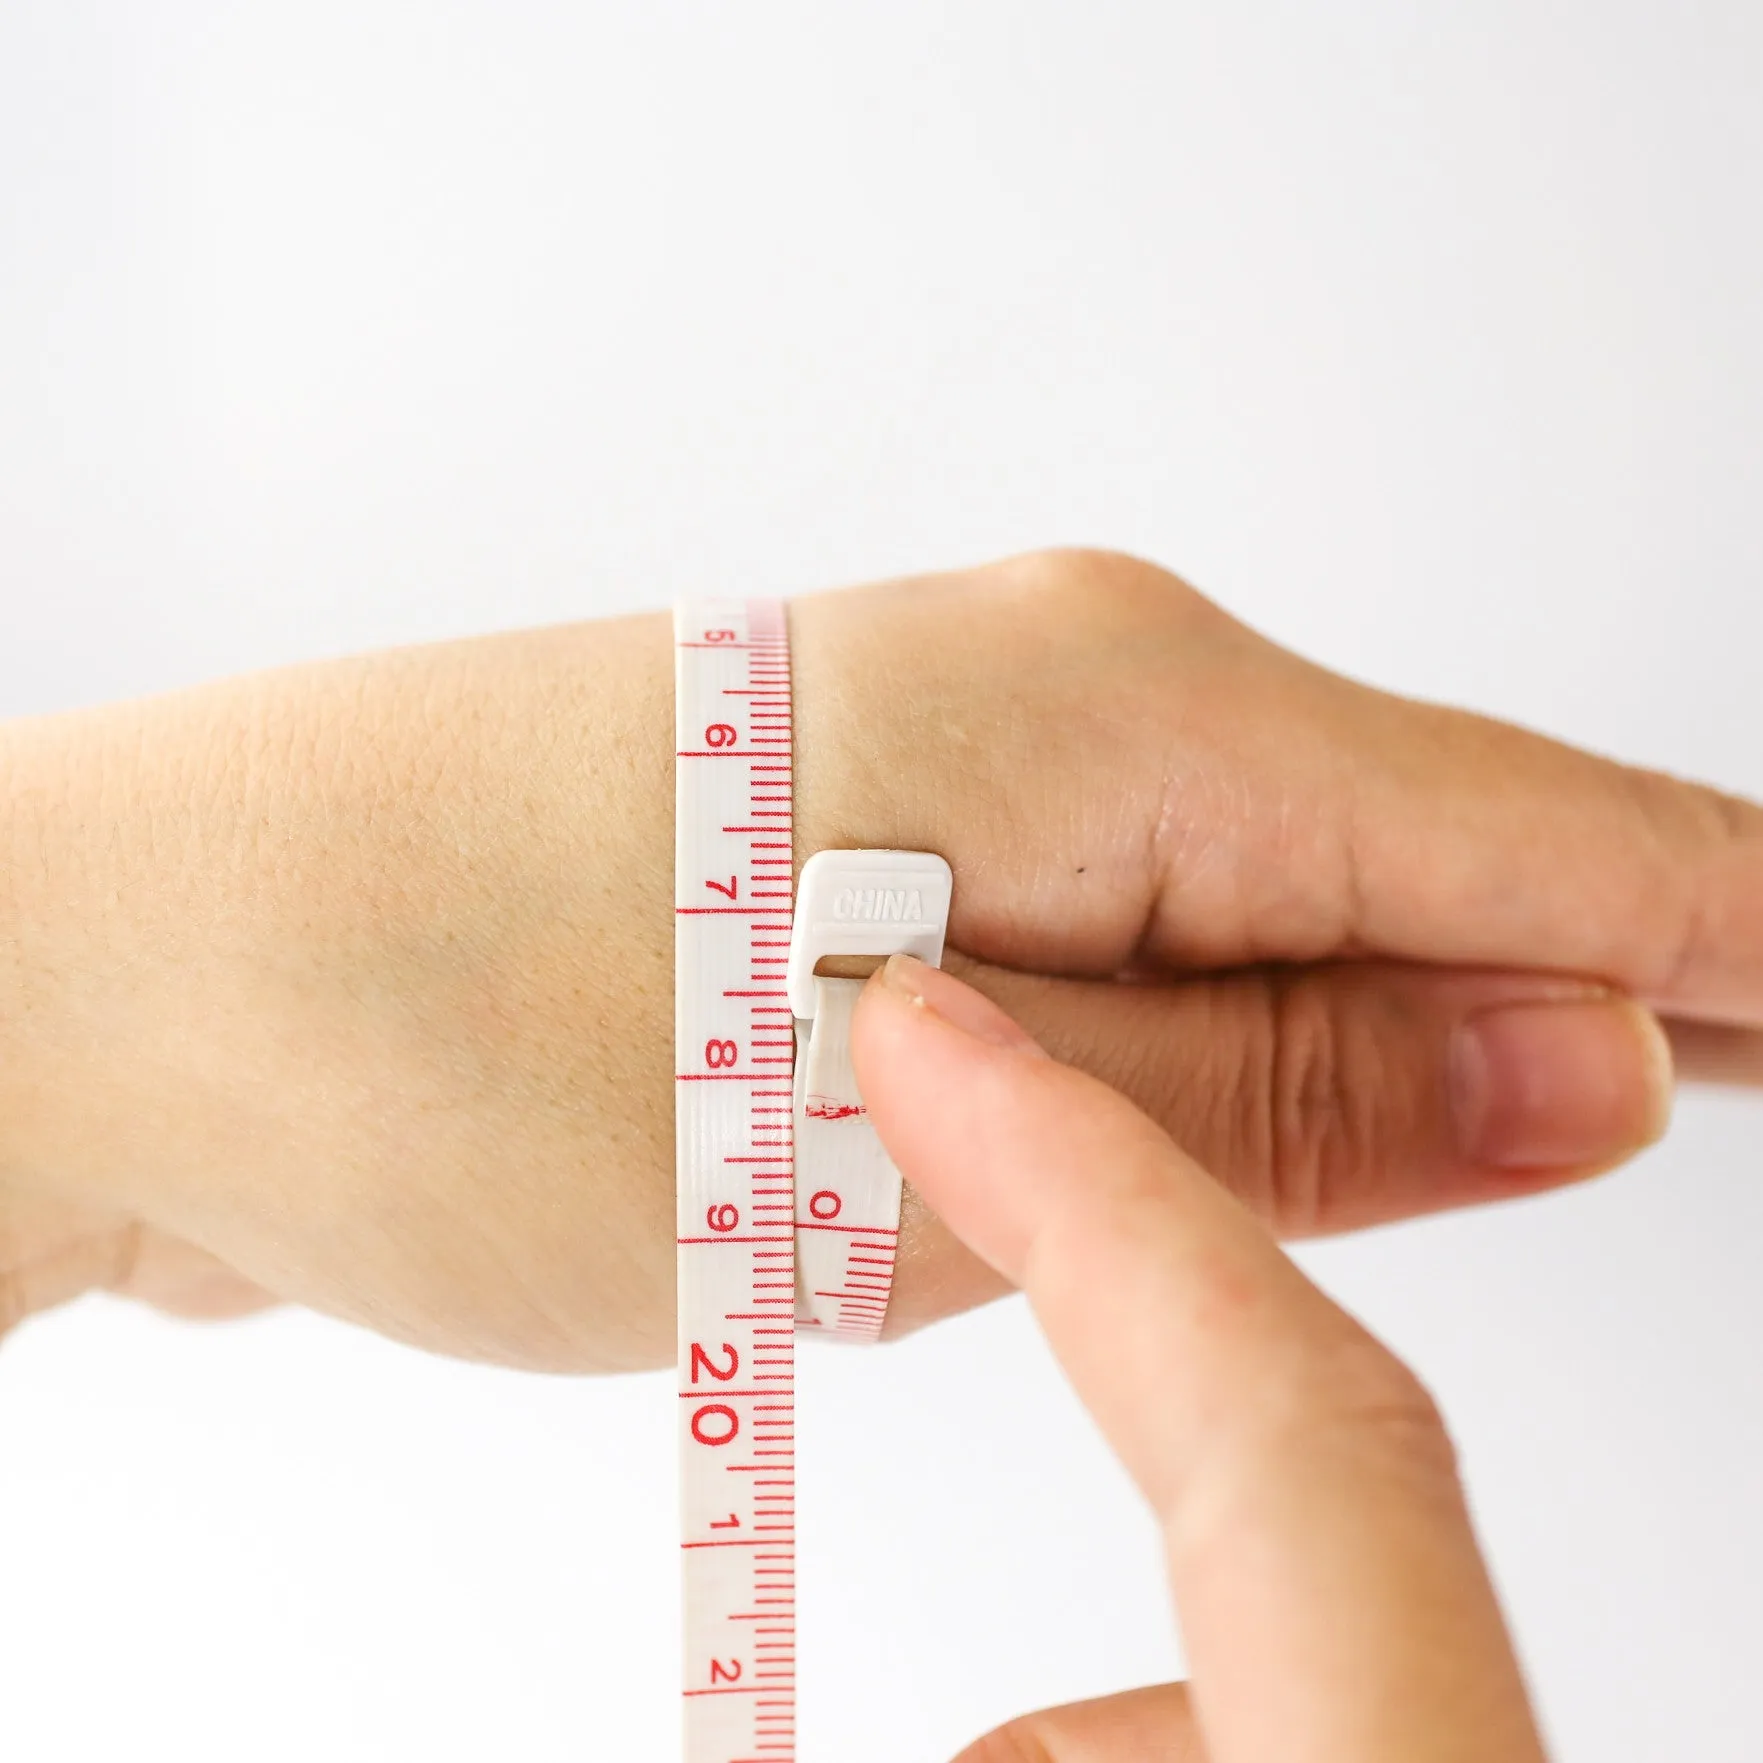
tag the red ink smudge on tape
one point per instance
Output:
(827, 1108)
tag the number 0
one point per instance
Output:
(715, 1424)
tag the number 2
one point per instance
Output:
(701, 1361)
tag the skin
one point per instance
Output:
(1318, 1545)
(348, 985)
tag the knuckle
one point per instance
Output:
(1693, 832)
(1364, 1404)
(1342, 1405)
(1340, 1410)
(1101, 592)
(1311, 1097)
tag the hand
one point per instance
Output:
(1385, 951)
(352, 984)
(1330, 1591)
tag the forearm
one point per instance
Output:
(378, 947)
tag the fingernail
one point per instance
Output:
(1560, 1085)
(960, 1006)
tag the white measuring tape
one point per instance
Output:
(848, 1190)
(788, 1208)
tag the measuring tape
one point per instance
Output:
(759, 1252)
(849, 903)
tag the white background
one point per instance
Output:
(1426, 337)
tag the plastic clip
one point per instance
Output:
(866, 903)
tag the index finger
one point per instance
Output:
(1334, 1602)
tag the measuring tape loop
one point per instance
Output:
(788, 1208)
(850, 903)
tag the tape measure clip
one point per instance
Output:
(866, 903)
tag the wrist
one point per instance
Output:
(358, 977)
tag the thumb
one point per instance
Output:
(1356, 1093)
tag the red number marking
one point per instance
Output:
(721, 734)
(729, 1673)
(826, 1204)
(709, 1422)
(731, 890)
(717, 1054)
(723, 1218)
(701, 1361)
